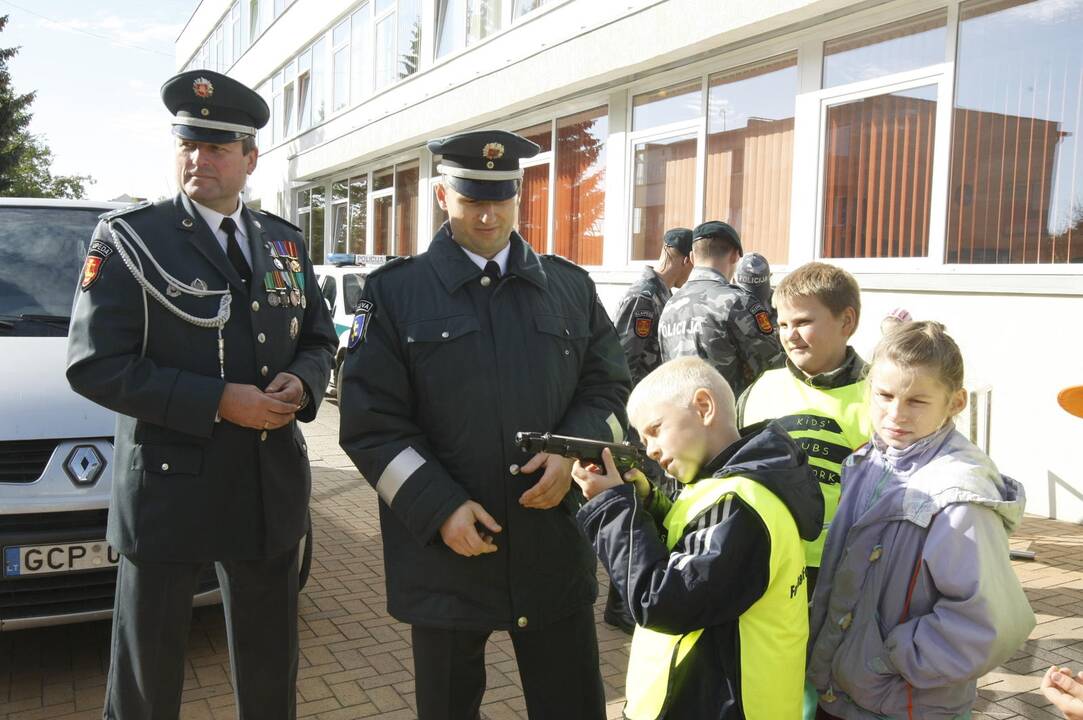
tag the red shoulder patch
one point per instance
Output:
(95, 258)
(763, 320)
(643, 326)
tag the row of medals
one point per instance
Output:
(285, 285)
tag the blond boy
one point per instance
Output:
(714, 577)
(819, 396)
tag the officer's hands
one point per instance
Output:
(1064, 691)
(592, 482)
(554, 483)
(250, 407)
(461, 535)
(288, 388)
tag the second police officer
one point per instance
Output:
(715, 320)
(451, 353)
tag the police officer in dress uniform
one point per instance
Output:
(450, 354)
(200, 323)
(715, 320)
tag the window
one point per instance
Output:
(1015, 193)
(878, 175)
(289, 75)
(462, 23)
(360, 53)
(912, 43)
(340, 66)
(253, 20)
(278, 111)
(522, 7)
(304, 90)
(406, 189)
(340, 223)
(235, 31)
(534, 192)
(310, 214)
(352, 285)
(750, 115)
(319, 63)
(580, 186)
(678, 103)
(398, 39)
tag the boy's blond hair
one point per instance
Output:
(676, 381)
(831, 285)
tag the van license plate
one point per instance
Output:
(59, 558)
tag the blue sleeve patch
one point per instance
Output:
(360, 324)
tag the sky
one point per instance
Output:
(97, 67)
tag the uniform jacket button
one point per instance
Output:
(521, 622)
(445, 334)
(567, 351)
(485, 282)
(255, 306)
(262, 338)
(165, 467)
(513, 469)
(263, 371)
(263, 435)
(845, 620)
(876, 553)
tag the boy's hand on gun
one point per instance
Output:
(1064, 691)
(592, 480)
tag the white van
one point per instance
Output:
(56, 447)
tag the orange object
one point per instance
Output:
(1071, 399)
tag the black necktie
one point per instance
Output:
(233, 251)
(492, 271)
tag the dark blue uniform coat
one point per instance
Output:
(187, 488)
(432, 398)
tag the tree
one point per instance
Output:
(25, 159)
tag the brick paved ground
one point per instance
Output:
(355, 660)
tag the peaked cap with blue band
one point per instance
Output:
(483, 164)
(213, 108)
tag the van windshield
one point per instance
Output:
(41, 254)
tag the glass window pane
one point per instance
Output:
(315, 245)
(287, 111)
(341, 33)
(385, 52)
(580, 186)
(406, 180)
(304, 102)
(750, 154)
(340, 69)
(664, 192)
(319, 62)
(361, 55)
(381, 225)
(534, 207)
(382, 5)
(304, 198)
(878, 175)
(1016, 187)
(906, 45)
(483, 18)
(451, 21)
(304, 221)
(522, 7)
(541, 134)
(672, 104)
(383, 179)
(409, 51)
(358, 213)
(339, 191)
(339, 227)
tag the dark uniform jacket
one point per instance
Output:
(187, 488)
(431, 400)
(637, 323)
(715, 572)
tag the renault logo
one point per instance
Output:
(84, 465)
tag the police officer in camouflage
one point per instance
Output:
(199, 322)
(641, 307)
(451, 353)
(719, 322)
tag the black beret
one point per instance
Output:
(680, 239)
(718, 229)
(483, 164)
(214, 108)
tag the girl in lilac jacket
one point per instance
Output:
(916, 598)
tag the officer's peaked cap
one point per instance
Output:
(483, 164)
(718, 229)
(214, 108)
(680, 239)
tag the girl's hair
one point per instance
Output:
(923, 344)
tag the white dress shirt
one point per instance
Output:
(214, 222)
(501, 258)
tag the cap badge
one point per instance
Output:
(202, 87)
(492, 151)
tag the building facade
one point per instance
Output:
(931, 147)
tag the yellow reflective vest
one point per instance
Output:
(772, 633)
(827, 423)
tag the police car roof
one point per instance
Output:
(343, 259)
(52, 202)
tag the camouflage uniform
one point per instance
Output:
(722, 324)
(637, 323)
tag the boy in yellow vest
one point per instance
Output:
(714, 577)
(819, 396)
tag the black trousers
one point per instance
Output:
(151, 618)
(558, 665)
